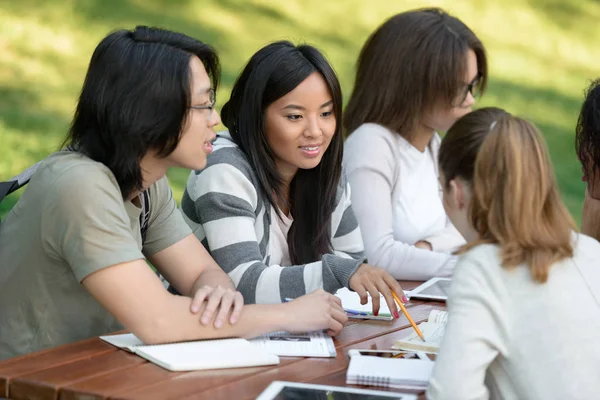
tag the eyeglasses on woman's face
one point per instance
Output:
(472, 88)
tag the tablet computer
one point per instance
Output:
(280, 390)
(434, 289)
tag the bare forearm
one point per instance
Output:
(175, 322)
(212, 277)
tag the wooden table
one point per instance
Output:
(93, 369)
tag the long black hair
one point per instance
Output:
(587, 140)
(271, 73)
(136, 97)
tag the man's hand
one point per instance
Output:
(220, 301)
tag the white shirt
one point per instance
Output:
(396, 197)
(417, 209)
(278, 243)
(509, 337)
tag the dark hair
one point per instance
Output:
(135, 97)
(587, 141)
(515, 200)
(410, 64)
(271, 73)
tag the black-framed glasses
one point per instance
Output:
(212, 98)
(472, 88)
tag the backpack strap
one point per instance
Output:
(145, 215)
(18, 181)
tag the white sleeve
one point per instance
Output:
(477, 330)
(370, 166)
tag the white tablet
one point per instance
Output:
(280, 390)
(435, 289)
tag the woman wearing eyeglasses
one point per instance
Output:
(273, 206)
(416, 75)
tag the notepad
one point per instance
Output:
(353, 308)
(397, 373)
(433, 330)
(196, 355)
(309, 344)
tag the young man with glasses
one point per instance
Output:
(72, 252)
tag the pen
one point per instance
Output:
(354, 312)
(415, 327)
(365, 313)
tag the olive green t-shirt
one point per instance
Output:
(70, 222)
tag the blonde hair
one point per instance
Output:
(515, 199)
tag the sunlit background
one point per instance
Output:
(543, 53)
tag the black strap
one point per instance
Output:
(145, 215)
(17, 182)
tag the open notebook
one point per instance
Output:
(353, 308)
(389, 372)
(433, 329)
(197, 355)
(309, 344)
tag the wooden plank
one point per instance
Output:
(45, 384)
(106, 385)
(49, 358)
(177, 387)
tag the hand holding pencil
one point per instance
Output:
(375, 281)
(405, 311)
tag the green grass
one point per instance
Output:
(541, 56)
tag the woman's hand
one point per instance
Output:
(220, 301)
(315, 311)
(375, 280)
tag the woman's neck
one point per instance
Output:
(421, 136)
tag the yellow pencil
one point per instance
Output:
(416, 328)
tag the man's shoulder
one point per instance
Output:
(72, 169)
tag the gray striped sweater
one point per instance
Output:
(226, 209)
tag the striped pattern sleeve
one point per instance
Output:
(222, 205)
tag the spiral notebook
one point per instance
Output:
(196, 355)
(396, 373)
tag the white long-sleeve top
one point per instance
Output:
(510, 337)
(396, 197)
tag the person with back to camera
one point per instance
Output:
(524, 305)
(273, 204)
(588, 150)
(416, 75)
(72, 250)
